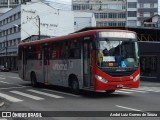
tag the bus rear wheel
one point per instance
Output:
(75, 87)
(110, 91)
(34, 80)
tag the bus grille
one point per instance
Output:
(120, 74)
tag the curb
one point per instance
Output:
(1, 104)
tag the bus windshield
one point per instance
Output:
(117, 52)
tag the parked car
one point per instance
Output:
(3, 69)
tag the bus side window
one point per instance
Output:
(64, 50)
(55, 51)
(74, 50)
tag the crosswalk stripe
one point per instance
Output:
(10, 98)
(131, 90)
(154, 89)
(27, 95)
(147, 89)
(121, 91)
(43, 93)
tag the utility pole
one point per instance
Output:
(6, 52)
(39, 27)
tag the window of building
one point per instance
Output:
(19, 14)
(121, 15)
(112, 23)
(132, 23)
(132, 5)
(151, 5)
(141, 5)
(141, 14)
(14, 42)
(132, 14)
(15, 29)
(14, 16)
(121, 24)
(96, 15)
(112, 15)
(74, 49)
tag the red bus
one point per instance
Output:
(96, 60)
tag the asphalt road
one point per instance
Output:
(18, 95)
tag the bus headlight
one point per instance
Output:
(101, 79)
(136, 78)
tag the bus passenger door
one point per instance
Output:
(45, 63)
(87, 64)
(24, 63)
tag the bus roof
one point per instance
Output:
(70, 36)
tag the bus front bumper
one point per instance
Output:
(116, 85)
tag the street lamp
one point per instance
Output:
(6, 45)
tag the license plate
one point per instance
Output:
(120, 86)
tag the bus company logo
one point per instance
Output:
(6, 114)
(60, 66)
(63, 66)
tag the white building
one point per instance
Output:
(31, 19)
(83, 19)
(129, 13)
(107, 12)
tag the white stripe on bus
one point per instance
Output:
(43, 93)
(10, 98)
(27, 95)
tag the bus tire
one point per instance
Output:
(34, 80)
(75, 87)
(110, 91)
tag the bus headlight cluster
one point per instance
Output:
(101, 79)
(136, 78)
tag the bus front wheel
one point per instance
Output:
(34, 80)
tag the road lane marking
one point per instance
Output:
(13, 87)
(2, 78)
(61, 93)
(127, 108)
(10, 83)
(147, 89)
(27, 95)
(46, 94)
(10, 76)
(10, 98)
(134, 90)
(121, 91)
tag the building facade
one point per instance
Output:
(129, 13)
(145, 10)
(30, 19)
(107, 12)
(6, 5)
